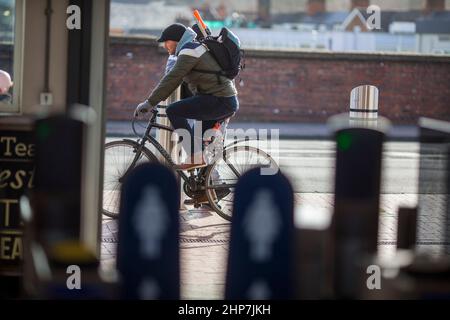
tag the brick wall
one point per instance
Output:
(134, 68)
(294, 86)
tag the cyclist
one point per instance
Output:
(214, 97)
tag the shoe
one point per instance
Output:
(192, 163)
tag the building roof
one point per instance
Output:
(147, 16)
(435, 22)
(330, 19)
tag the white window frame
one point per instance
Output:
(19, 20)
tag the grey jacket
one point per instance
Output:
(193, 55)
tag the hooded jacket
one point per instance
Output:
(193, 55)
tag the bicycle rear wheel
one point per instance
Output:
(119, 157)
(223, 175)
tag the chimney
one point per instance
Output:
(360, 4)
(315, 7)
(434, 5)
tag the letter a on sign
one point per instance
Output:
(74, 20)
(74, 280)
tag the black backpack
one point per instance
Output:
(225, 48)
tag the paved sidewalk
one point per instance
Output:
(204, 241)
(286, 130)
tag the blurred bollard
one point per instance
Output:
(148, 249)
(56, 200)
(428, 277)
(312, 254)
(421, 267)
(356, 204)
(406, 228)
(364, 106)
(261, 257)
(52, 211)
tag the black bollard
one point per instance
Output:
(356, 211)
(56, 199)
(55, 215)
(148, 249)
(260, 261)
(406, 228)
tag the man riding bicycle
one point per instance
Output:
(215, 96)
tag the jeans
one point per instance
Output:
(206, 108)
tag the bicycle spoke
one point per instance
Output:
(118, 158)
(226, 172)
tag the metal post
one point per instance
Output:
(359, 140)
(165, 137)
(406, 228)
(364, 106)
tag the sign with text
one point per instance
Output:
(16, 177)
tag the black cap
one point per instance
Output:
(173, 32)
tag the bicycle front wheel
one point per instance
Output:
(223, 175)
(120, 158)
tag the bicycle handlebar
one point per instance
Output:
(153, 111)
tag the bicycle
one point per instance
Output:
(218, 179)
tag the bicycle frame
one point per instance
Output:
(147, 137)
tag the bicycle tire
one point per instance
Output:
(227, 154)
(109, 178)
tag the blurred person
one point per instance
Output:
(5, 85)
